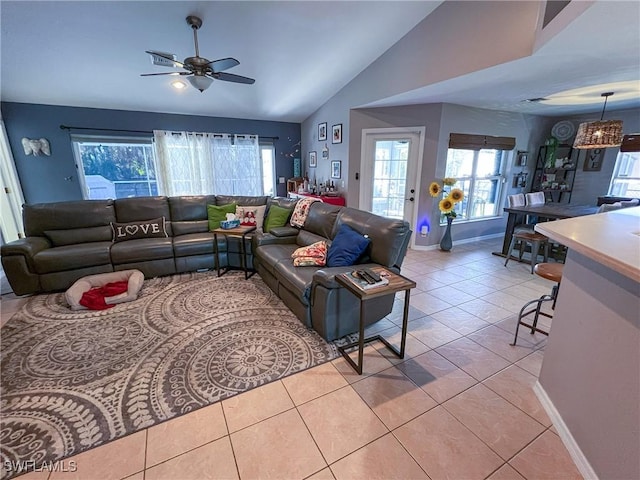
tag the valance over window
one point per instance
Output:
(479, 142)
(630, 143)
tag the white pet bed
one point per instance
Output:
(133, 277)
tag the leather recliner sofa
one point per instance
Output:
(312, 293)
(69, 240)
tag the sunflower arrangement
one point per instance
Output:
(451, 195)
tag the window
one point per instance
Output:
(625, 181)
(120, 167)
(479, 174)
(111, 167)
(268, 155)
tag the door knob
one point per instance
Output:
(413, 190)
(411, 199)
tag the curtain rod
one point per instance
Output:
(67, 127)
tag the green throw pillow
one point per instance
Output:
(277, 217)
(218, 213)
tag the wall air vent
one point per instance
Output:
(163, 62)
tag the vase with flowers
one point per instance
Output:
(450, 196)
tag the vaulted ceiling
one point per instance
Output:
(301, 53)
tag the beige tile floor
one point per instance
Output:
(459, 406)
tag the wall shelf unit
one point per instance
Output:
(555, 181)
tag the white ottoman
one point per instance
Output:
(134, 280)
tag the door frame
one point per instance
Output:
(365, 164)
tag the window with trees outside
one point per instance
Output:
(111, 167)
(479, 174)
(625, 181)
(121, 167)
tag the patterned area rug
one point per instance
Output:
(75, 380)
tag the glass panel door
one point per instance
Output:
(390, 177)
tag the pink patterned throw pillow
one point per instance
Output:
(311, 255)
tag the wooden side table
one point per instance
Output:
(237, 232)
(397, 283)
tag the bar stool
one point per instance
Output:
(550, 271)
(536, 240)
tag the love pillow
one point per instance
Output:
(142, 229)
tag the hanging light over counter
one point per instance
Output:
(600, 134)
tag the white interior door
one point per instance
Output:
(390, 171)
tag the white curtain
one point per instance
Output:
(205, 163)
(238, 166)
(11, 202)
(184, 163)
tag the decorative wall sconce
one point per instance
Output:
(35, 146)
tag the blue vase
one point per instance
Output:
(446, 243)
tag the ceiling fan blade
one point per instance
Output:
(223, 64)
(167, 73)
(165, 56)
(230, 77)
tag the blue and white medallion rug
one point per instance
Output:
(73, 380)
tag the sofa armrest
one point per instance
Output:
(260, 239)
(28, 247)
(327, 276)
(284, 231)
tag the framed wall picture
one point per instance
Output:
(593, 160)
(322, 131)
(336, 169)
(336, 136)
(313, 159)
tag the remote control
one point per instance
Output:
(373, 275)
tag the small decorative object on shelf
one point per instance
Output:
(451, 196)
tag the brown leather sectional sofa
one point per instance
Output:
(69, 240)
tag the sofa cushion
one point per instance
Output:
(141, 229)
(218, 213)
(271, 255)
(321, 219)
(71, 257)
(311, 255)
(277, 217)
(193, 244)
(140, 250)
(389, 237)
(346, 247)
(297, 280)
(189, 208)
(257, 211)
(241, 200)
(136, 209)
(73, 236)
(192, 226)
(41, 217)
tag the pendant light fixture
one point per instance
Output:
(601, 134)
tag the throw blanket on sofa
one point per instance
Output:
(94, 299)
(301, 211)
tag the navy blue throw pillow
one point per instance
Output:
(346, 248)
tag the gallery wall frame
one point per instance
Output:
(322, 131)
(336, 169)
(593, 160)
(313, 159)
(336, 133)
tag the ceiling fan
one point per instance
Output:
(199, 71)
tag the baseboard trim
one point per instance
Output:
(583, 465)
(458, 242)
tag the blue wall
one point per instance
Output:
(54, 178)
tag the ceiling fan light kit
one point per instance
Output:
(599, 134)
(200, 72)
